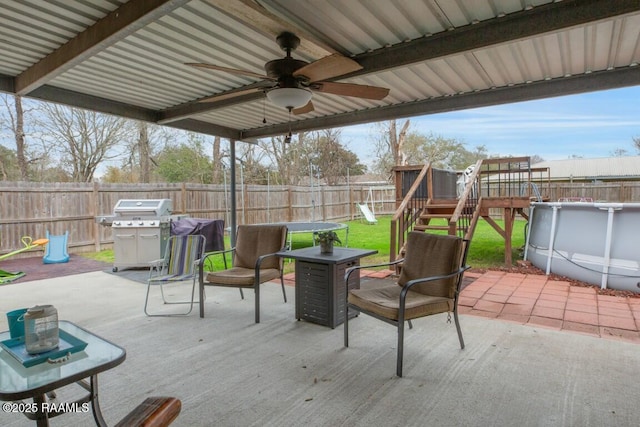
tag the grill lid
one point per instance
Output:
(145, 207)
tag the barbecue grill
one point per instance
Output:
(141, 230)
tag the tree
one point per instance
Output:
(464, 157)
(619, 152)
(396, 142)
(18, 130)
(332, 160)
(535, 159)
(140, 164)
(280, 156)
(439, 151)
(84, 139)
(636, 143)
(8, 163)
(292, 160)
(390, 146)
(418, 149)
(114, 174)
(185, 162)
(253, 163)
(144, 152)
(217, 161)
(13, 119)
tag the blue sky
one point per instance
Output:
(588, 125)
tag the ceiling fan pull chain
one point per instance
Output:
(287, 138)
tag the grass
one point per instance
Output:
(486, 251)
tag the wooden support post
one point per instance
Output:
(508, 228)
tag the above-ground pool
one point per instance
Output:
(595, 243)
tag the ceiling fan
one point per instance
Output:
(289, 82)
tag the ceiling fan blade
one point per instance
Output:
(350, 89)
(228, 70)
(230, 94)
(328, 67)
(304, 109)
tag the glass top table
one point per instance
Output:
(36, 382)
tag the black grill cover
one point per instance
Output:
(211, 229)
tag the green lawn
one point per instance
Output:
(486, 251)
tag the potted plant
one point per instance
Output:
(325, 239)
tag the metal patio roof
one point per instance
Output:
(128, 57)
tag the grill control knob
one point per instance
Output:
(141, 223)
(116, 222)
(152, 223)
(129, 223)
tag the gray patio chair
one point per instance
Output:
(180, 263)
(253, 262)
(429, 283)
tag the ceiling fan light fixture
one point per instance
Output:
(289, 97)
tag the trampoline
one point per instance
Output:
(313, 227)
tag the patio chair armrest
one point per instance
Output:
(222, 252)
(350, 270)
(156, 262)
(262, 258)
(211, 254)
(156, 266)
(414, 282)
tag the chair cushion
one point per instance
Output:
(256, 240)
(385, 301)
(240, 277)
(432, 255)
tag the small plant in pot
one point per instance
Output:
(325, 239)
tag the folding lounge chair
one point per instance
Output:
(180, 264)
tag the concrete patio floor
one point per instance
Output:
(537, 368)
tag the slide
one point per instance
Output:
(368, 215)
(56, 250)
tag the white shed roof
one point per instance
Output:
(596, 168)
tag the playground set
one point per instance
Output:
(55, 252)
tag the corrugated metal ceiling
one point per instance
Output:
(139, 70)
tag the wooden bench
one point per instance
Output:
(153, 412)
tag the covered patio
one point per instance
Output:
(129, 58)
(216, 67)
(230, 371)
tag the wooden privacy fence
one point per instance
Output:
(30, 209)
(614, 192)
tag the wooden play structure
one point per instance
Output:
(434, 200)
